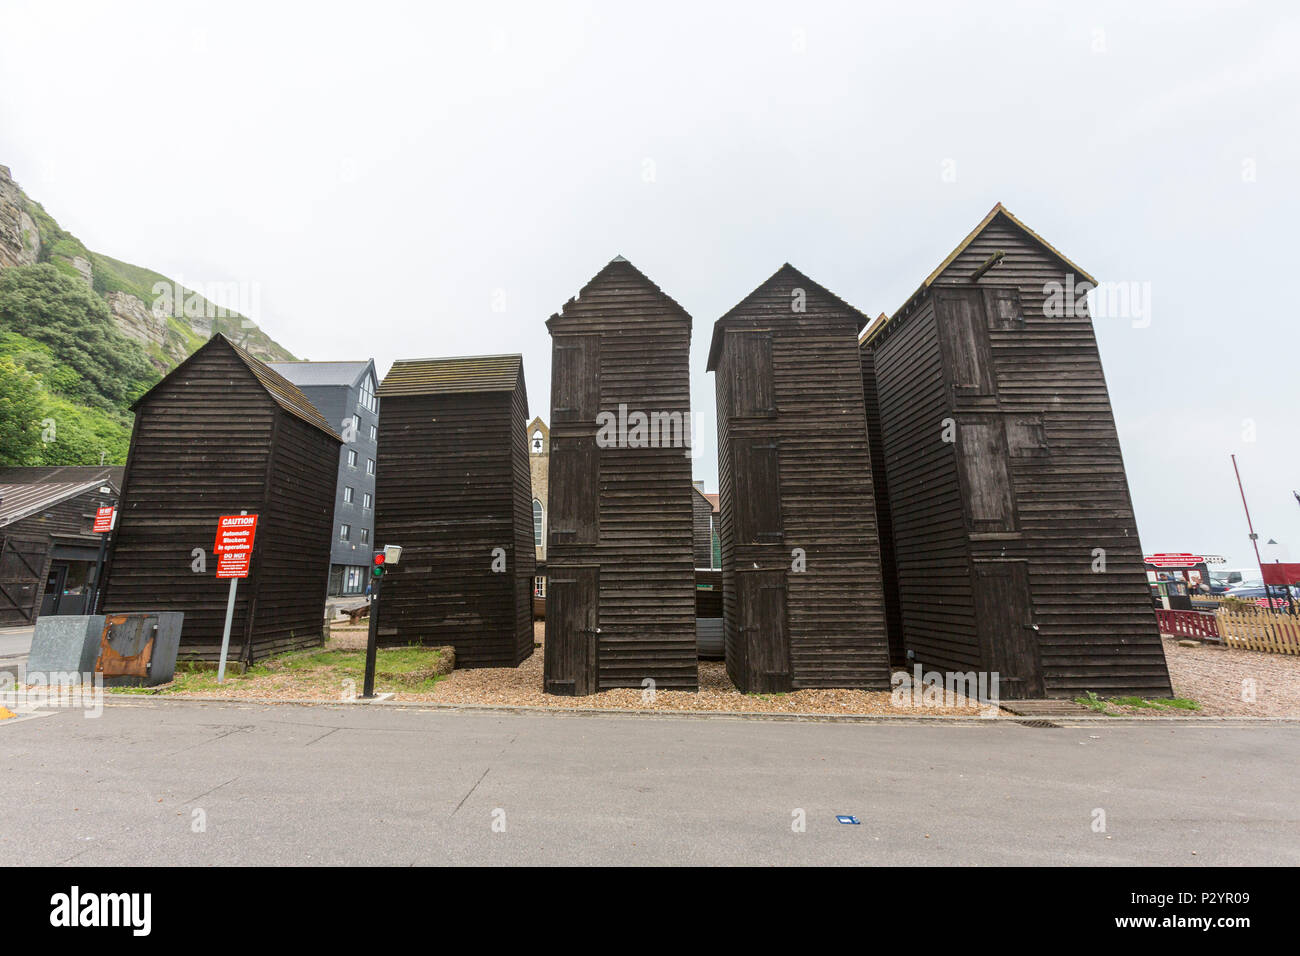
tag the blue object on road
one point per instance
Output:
(844, 819)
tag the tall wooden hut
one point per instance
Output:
(1006, 483)
(453, 489)
(221, 434)
(802, 598)
(620, 606)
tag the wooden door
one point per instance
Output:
(21, 564)
(985, 476)
(964, 334)
(574, 513)
(756, 474)
(1004, 615)
(751, 378)
(575, 380)
(764, 630)
(572, 654)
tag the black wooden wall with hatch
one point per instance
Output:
(221, 434)
(802, 593)
(453, 489)
(1005, 480)
(620, 604)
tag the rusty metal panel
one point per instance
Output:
(139, 649)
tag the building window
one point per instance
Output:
(347, 494)
(352, 458)
(368, 401)
(356, 424)
(537, 442)
(366, 500)
(370, 466)
(365, 535)
(345, 532)
(374, 433)
(537, 524)
(353, 585)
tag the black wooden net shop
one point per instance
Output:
(802, 596)
(453, 489)
(221, 434)
(620, 606)
(1016, 546)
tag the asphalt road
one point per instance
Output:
(367, 785)
(15, 642)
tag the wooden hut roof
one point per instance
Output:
(786, 271)
(285, 394)
(618, 267)
(18, 501)
(442, 376)
(306, 374)
(994, 213)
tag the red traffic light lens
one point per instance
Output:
(379, 558)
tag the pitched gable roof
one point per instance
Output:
(786, 272)
(22, 500)
(618, 269)
(308, 374)
(997, 210)
(441, 376)
(282, 391)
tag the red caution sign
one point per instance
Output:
(235, 536)
(104, 519)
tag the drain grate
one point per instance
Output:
(1039, 724)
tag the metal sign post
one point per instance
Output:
(105, 521)
(235, 535)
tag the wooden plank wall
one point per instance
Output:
(200, 449)
(639, 532)
(450, 481)
(835, 608)
(884, 521)
(1096, 631)
(523, 561)
(702, 530)
(296, 536)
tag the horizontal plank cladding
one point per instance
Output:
(451, 490)
(1041, 398)
(797, 494)
(206, 444)
(702, 530)
(620, 513)
(884, 521)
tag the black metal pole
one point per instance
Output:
(1254, 538)
(99, 573)
(372, 641)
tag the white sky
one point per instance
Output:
(380, 171)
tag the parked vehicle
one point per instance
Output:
(1258, 594)
(1222, 580)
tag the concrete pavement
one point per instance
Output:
(321, 785)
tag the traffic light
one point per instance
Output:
(378, 569)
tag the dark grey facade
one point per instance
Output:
(344, 394)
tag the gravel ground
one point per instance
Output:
(522, 685)
(1215, 677)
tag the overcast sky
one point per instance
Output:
(401, 181)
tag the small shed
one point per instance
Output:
(223, 433)
(48, 550)
(454, 491)
(620, 606)
(1017, 552)
(802, 595)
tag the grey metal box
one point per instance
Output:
(139, 650)
(64, 643)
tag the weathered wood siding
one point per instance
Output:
(620, 566)
(702, 530)
(210, 441)
(884, 521)
(452, 489)
(796, 492)
(1033, 490)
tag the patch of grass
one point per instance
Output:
(1102, 705)
(313, 673)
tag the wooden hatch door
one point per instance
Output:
(572, 655)
(764, 630)
(1004, 612)
(21, 564)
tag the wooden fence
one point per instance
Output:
(1196, 624)
(1259, 630)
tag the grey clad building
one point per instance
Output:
(344, 394)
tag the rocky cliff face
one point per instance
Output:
(169, 330)
(20, 240)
